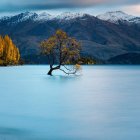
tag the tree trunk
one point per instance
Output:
(50, 72)
(52, 69)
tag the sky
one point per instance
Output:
(93, 7)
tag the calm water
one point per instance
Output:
(101, 104)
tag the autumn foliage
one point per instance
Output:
(9, 53)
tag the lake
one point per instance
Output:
(102, 103)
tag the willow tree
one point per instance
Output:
(61, 51)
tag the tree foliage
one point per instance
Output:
(61, 50)
(87, 60)
(9, 53)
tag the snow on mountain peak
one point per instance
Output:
(64, 16)
(115, 16)
(44, 16)
(40, 17)
(69, 15)
(22, 17)
(25, 16)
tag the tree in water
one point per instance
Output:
(61, 51)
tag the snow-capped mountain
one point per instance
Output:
(19, 18)
(25, 16)
(117, 16)
(39, 17)
(100, 39)
(114, 17)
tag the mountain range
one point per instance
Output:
(112, 37)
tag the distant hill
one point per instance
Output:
(129, 58)
(103, 37)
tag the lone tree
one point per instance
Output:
(61, 51)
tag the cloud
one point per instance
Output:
(16, 5)
(132, 9)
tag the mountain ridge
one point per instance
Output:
(113, 17)
(99, 38)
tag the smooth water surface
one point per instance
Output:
(101, 104)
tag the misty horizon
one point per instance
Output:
(92, 7)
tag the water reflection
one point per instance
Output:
(63, 78)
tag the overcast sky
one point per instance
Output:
(93, 7)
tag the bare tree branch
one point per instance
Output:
(67, 68)
(68, 72)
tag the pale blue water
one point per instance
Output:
(101, 104)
